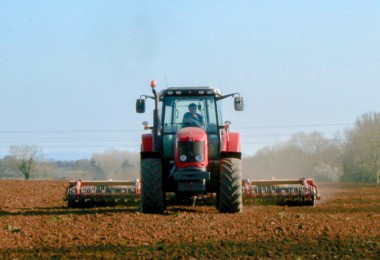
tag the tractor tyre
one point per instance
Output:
(152, 195)
(230, 193)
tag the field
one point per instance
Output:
(35, 223)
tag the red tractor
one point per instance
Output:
(190, 152)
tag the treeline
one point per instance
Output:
(352, 156)
(112, 164)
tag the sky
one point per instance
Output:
(70, 71)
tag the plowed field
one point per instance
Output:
(35, 223)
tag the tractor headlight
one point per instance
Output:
(199, 157)
(183, 158)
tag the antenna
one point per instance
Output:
(166, 82)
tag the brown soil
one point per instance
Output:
(35, 223)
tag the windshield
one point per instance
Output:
(189, 111)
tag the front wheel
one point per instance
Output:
(152, 196)
(230, 193)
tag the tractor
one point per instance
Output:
(189, 152)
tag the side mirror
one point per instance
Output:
(239, 103)
(140, 105)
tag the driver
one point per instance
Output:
(192, 114)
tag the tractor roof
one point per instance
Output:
(190, 91)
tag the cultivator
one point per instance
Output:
(84, 193)
(298, 192)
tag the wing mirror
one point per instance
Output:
(239, 103)
(140, 105)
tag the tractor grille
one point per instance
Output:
(191, 150)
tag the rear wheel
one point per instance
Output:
(230, 194)
(152, 196)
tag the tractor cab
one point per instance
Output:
(191, 108)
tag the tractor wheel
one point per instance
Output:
(230, 194)
(152, 196)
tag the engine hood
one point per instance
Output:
(191, 134)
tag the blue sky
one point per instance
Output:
(70, 71)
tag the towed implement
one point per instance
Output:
(86, 193)
(300, 192)
(297, 192)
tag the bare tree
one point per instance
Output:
(362, 151)
(25, 158)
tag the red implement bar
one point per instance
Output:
(308, 184)
(79, 183)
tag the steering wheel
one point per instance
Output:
(191, 122)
